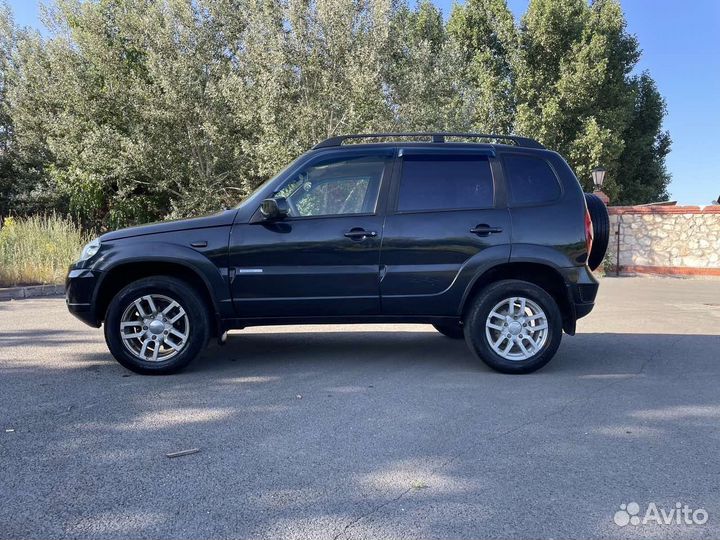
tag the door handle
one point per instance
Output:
(485, 230)
(358, 233)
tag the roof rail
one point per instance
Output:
(525, 142)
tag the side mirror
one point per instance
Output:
(275, 208)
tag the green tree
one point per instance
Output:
(575, 90)
(175, 108)
(309, 70)
(23, 157)
(131, 110)
(7, 45)
(485, 32)
(135, 110)
(642, 172)
(423, 86)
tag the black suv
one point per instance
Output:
(490, 242)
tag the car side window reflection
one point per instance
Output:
(445, 182)
(335, 187)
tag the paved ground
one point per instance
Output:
(352, 432)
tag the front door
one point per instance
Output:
(323, 259)
(448, 220)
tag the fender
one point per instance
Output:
(559, 282)
(477, 266)
(571, 255)
(152, 250)
(547, 256)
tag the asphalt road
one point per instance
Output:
(387, 431)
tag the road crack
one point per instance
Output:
(371, 512)
(493, 437)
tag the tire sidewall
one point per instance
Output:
(476, 338)
(179, 291)
(601, 229)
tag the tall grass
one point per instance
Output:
(38, 249)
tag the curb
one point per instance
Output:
(33, 291)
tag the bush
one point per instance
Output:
(38, 249)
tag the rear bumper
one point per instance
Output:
(582, 288)
(582, 293)
(583, 309)
(80, 285)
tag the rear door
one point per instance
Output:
(447, 219)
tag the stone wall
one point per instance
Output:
(665, 239)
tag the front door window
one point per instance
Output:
(335, 187)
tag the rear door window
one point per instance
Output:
(445, 182)
(531, 180)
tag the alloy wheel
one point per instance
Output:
(516, 328)
(154, 328)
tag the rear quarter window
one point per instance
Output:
(530, 179)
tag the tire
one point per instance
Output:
(491, 298)
(601, 229)
(173, 352)
(451, 330)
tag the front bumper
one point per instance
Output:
(80, 285)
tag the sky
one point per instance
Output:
(681, 49)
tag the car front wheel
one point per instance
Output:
(514, 326)
(156, 325)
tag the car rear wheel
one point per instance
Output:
(514, 326)
(156, 325)
(451, 330)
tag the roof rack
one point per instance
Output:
(525, 142)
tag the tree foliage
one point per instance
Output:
(133, 110)
(23, 186)
(486, 34)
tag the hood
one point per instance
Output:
(215, 220)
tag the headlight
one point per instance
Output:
(89, 250)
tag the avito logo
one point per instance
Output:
(680, 514)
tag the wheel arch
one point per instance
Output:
(124, 273)
(543, 275)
